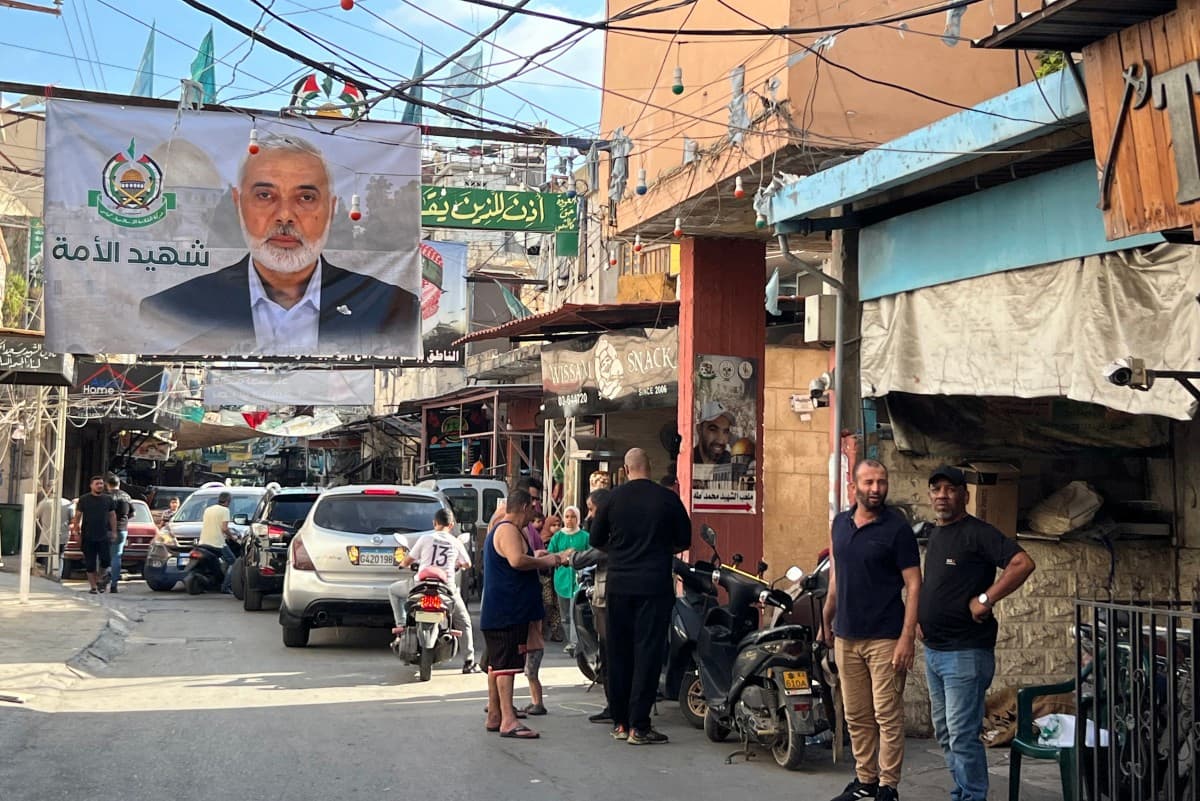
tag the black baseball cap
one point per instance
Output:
(951, 474)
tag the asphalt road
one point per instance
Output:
(206, 703)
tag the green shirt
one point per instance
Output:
(565, 583)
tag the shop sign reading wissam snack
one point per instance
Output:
(632, 369)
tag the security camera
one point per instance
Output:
(818, 389)
(1129, 372)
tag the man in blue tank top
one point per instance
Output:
(512, 599)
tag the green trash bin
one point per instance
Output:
(10, 528)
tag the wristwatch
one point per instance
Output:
(983, 599)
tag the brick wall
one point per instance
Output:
(795, 462)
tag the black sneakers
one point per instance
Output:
(856, 791)
(603, 716)
(887, 794)
(646, 737)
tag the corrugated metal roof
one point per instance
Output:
(1070, 25)
(579, 318)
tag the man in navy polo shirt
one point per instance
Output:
(873, 629)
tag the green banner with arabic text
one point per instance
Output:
(497, 210)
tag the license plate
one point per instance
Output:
(181, 561)
(428, 617)
(795, 681)
(371, 557)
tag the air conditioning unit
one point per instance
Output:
(820, 318)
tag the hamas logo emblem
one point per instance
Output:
(132, 194)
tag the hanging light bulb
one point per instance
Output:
(512, 176)
(637, 243)
(678, 227)
(443, 191)
(612, 255)
(677, 83)
(571, 193)
(355, 210)
(760, 221)
(253, 146)
(641, 187)
(347, 5)
(738, 190)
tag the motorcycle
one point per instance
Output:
(587, 647)
(205, 570)
(427, 637)
(681, 676)
(765, 685)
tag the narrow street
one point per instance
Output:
(205, 702)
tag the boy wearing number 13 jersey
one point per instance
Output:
(444, 551)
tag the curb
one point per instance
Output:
(108, 644)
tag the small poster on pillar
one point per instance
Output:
(723, 448)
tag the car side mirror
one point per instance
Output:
(708, 535)
(794, 573)
(241, 520)
(464, 538)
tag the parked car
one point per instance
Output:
(142, 532)
(265, 549)
(160, 500)
(168, 557)
(343, 559)
(473, 500)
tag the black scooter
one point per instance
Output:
(681, 676)
(761, 684)
(587, 647)
(205, 570)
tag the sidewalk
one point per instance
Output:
(53, 640)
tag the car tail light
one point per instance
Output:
(276, 532)
(196, 554)
(431, 603)
(266, 571)
(300, 558)
(380, 491)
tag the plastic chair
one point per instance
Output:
(1025, 743)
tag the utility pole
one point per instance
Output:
(56, 11)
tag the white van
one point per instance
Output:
(473, 500)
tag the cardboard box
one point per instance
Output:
(993, 494)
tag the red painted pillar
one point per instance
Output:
(721, 294)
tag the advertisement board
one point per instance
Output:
(636, 368)
(214, 233)
(724, 451)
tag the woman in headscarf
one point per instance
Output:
(569, 538)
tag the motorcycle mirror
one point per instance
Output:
(738, 559)
(794, 573)
(708, 535)
(401, 540)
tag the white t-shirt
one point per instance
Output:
(441, 549)
(210, 528)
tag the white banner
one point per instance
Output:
(211, 233)
(262, 388)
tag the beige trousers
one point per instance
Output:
(873, 695)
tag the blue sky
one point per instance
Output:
(108, 44)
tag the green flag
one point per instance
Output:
(203, 69)
(143, 83)
(412, 112)
(515, 307)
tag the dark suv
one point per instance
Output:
(274, 523)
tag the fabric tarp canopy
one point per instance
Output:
(269, 389)
(1045, 331)
(205, 435)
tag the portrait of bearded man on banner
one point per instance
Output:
(284, 297)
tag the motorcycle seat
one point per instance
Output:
(790, 632)
(432, 573)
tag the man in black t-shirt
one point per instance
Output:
(123, 507)
(96, 523)
(641, 528)
(957, 626)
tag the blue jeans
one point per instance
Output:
(958, 682)
(228, 557)
(118, 548)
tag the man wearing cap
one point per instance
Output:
(713, 434)
(873, 628)
(957, 626)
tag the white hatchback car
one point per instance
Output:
(345, 555)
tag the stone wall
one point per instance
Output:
(795, 462)
(1034, 644)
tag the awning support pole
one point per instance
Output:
(839, 342)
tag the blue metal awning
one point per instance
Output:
(1002, 123)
